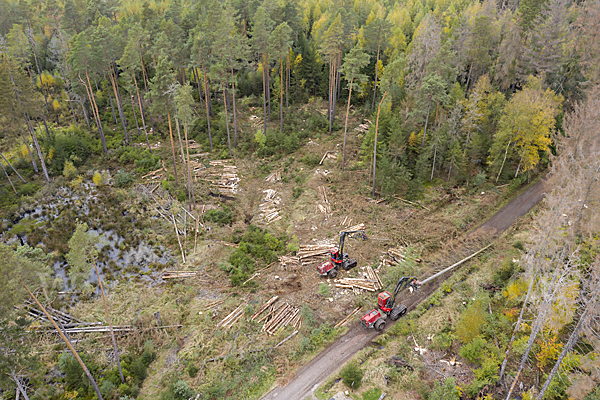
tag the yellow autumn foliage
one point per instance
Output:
(515, 290)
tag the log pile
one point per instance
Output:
(197, 168)
(359, 227)
(233, 317)
(394, 256)
(59, 316)
(369, 281)
(178, 274)
(155, 174)
(224, 177)
(325, 207)
(269, 207)
(286, 261)
(275, 176)
(363, 128)
(312, 253)
(347, 318)
(277, 317)
(327, 155)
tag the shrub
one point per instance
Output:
(297, 191)
(519, 245)
(221, 217)
(70, 171)
(445, 391)
(504, 273)
(475, 350)
(469, 325)
(312, 160)
(324, 289)
(192, 370)
(182, 391)
(124, 178)
(352, 375)
(372, 394)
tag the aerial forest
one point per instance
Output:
(167, 163)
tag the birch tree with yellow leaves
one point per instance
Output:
(526, 127)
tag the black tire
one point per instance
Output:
(398, 312)
(332, 274)
(349, 264)
(380, 324)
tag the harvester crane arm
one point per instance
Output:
(410, 281)
(343, 235)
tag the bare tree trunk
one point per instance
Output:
(112, 108)
(172, 145)
(426, 122)
(375, 144)
(535, 329)
(142, 112)
(502, 166)
(197, 76)
(113, 80)
(8, 177)
(67, 342)
(281, 97)
(135, 118)
(592, 304)
(189, 168)
(346, 124)
(20, 387)
(207, 104)
(112, 333)
(95, 106)
(235, 127)
(227, 120)
(266, 65)
(376, 77)
(264, 100)
(35, 167)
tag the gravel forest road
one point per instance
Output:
(329, 360)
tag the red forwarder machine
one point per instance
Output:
(338, 258)
(387, 307)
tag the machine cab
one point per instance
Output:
(382, 301)
(335, 255)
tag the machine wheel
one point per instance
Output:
(349, 264)
(398, 312)
(332, 274)
(380, 324)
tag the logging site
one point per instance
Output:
(289, 200)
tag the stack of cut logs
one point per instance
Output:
(178, 274)
(269, 207)
(233, 317)
(370, 281)
(227, 181)
(57, 315)
(275, 176)
(359, 227)
(277, 317)
(287, 261)
(196, 167)
(347, 318)
(70, 324)
(155, 174)
(325, 207)
(256, 121)
(313, 253)
(393, 256)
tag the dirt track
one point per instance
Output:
(329, 360)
